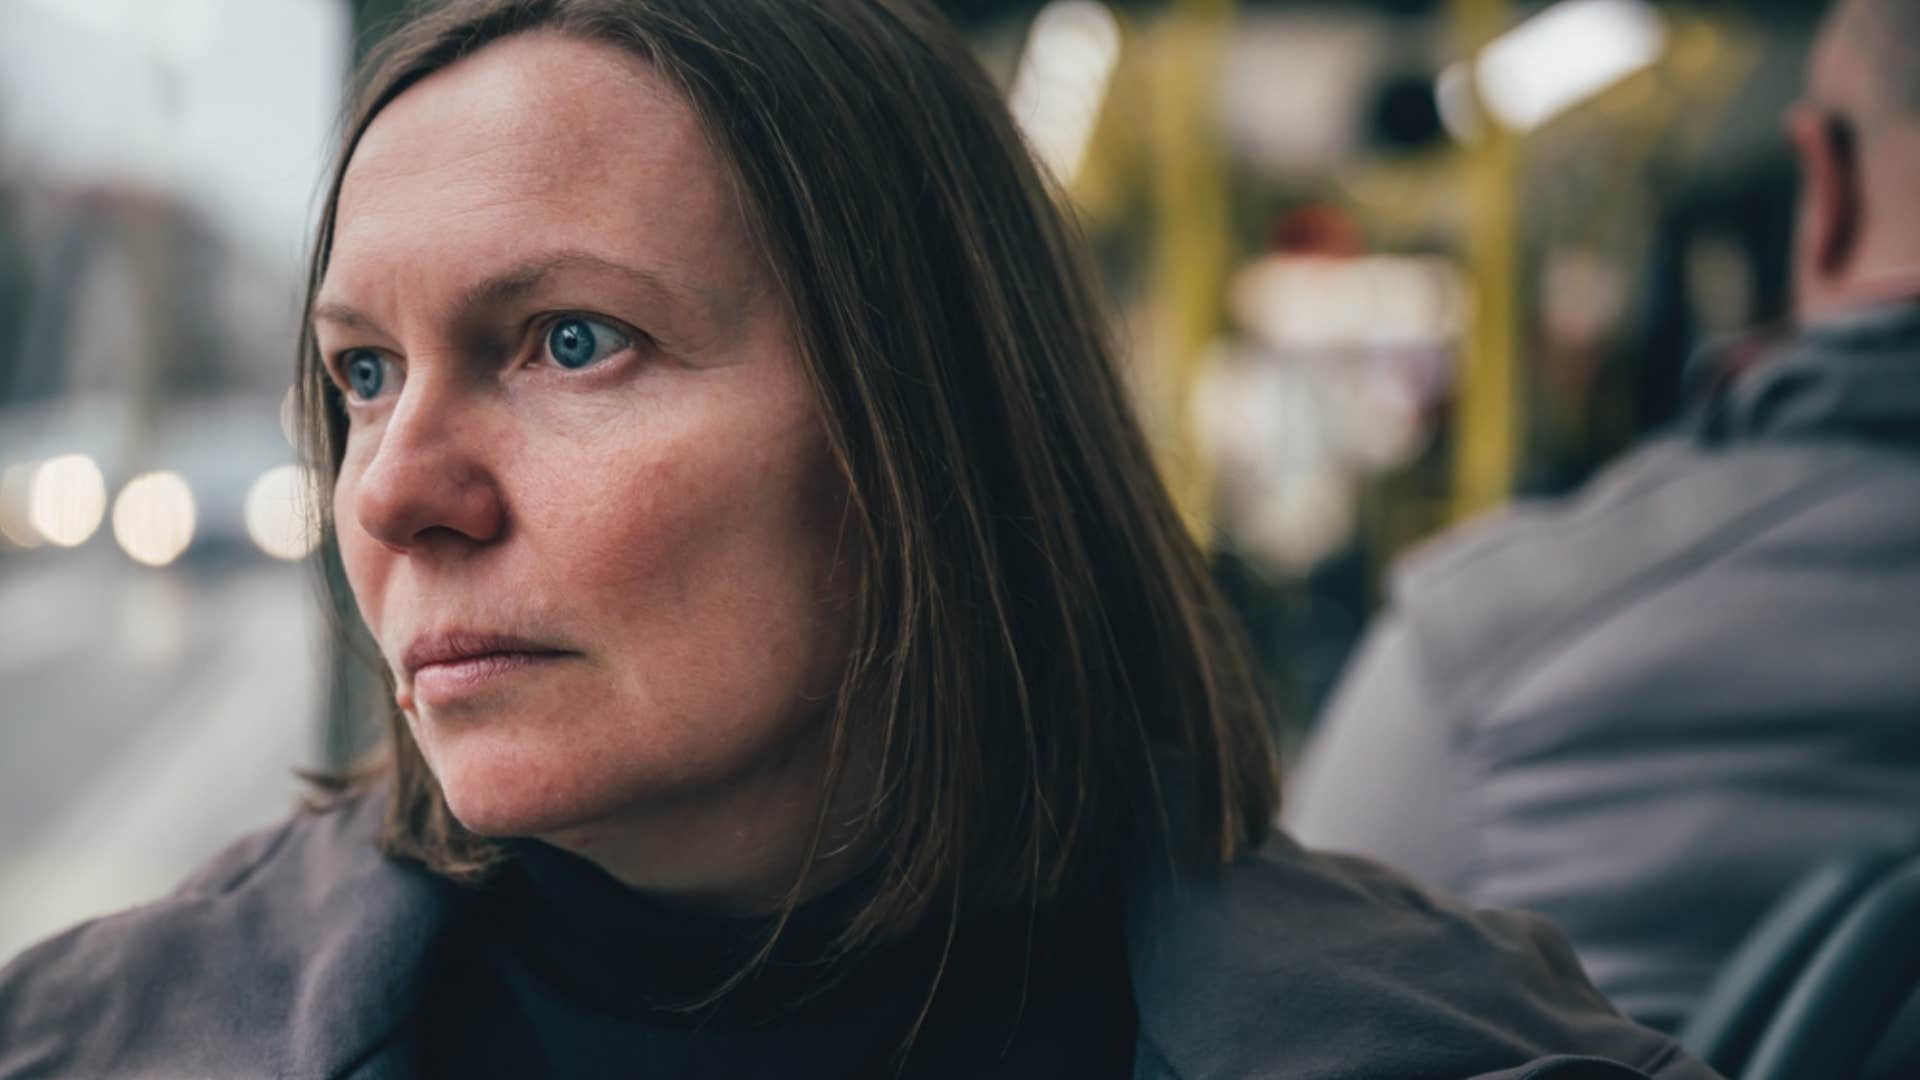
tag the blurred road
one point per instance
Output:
(146, 718)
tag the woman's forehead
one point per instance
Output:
(539, 141)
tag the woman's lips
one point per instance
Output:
(447, 681)
(456, 662)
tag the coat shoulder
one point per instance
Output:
(1486, 600)
(207, 980)
(1309, 965)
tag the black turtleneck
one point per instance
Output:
(557, 970)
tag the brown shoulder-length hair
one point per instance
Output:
(1044, 685)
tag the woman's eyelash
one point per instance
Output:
(571, 340)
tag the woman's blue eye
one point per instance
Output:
(576, 342)
(365, 372)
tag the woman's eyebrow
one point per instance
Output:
(342, 314)
(522, 278)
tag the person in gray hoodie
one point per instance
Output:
(798, 668)
(1644, 711)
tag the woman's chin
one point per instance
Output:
(514, 798)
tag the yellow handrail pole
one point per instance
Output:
(1190, 237)
(1487, 427)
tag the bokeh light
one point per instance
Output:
(16, 527)
(282, 512)
(290, 417)
(1565, 55)
(153, 518)
(66, 499)
(1062, 81)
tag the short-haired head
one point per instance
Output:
(1857, 137)
(1870, 47)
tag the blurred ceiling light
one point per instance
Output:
(66, 499)
(290, 417)
(282, 512)
(1062, 79)
(1305, 516)
(16, 526)
(1374, 301)
(153, 518)
(1453, 96)
(1565, 55)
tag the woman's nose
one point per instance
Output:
(429, 480)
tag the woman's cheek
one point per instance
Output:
(365, 562)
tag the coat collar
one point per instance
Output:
(305, 953)
(360, 931)
(1855, 376)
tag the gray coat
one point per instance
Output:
(1646, 710)
(301, 952)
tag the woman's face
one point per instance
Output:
(586, 506)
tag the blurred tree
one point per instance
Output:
(15, 295)
(371, 21)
